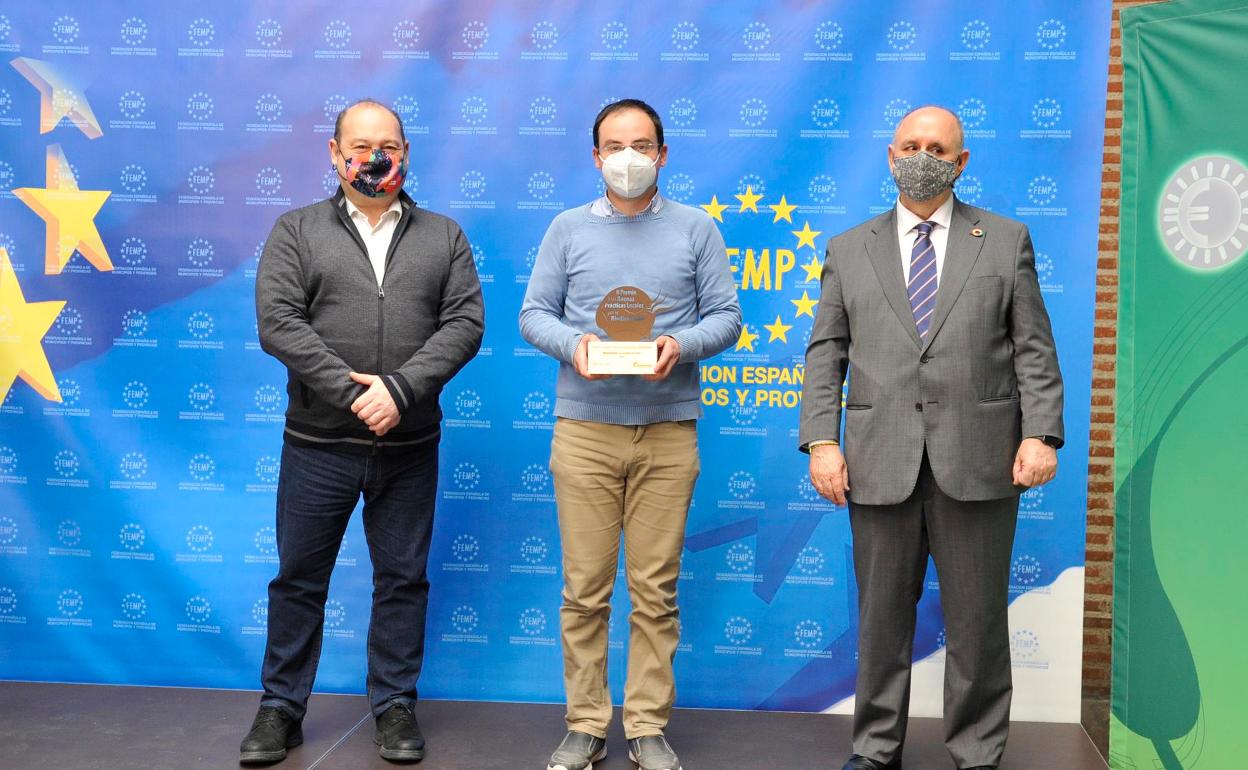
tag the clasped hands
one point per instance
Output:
(375, 406)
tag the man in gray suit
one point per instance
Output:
(954, 407)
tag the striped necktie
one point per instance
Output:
(922, 285)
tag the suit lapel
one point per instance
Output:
(885, 255)
(961, 253)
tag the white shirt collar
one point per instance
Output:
(907, 220)
(603, 207)
(396, 208)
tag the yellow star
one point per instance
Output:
(813, 268)
(805, 305)
(749, 201)
(70, 215)
(715, 208)
(746, 340)
(22, 326)
(806, 236)
(783, 209)
(58, 97)
(778, 330)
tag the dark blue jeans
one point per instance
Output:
(316, 493)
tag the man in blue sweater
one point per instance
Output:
(629, 266)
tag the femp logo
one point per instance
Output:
(131, 537)
(268, 33)
(680, 187)
(741, 485)
(474, 40)
(1046, 113)
(543, 42)
(134, 179)
(70, 603)
(1025, 573)
(613, 37)
(756, 38)
(201, 181)
(132, 104)
(8, 527)
(268, 399)
(825, 114)
(829, 44)
(200, 254)
(335, 619)
(133, 31)
(466, 548)
(199, 538)
(1050, 43)
(468, 404)
(532, 622)
(133, 466)
(200, 106)
(533, 550)
(541, 185)
(976, 34)
(535, 485)
(901, 35)
(8, 606)
(405, 37)
(536, 405)
(740, 559)
(753, 112)
(134, 394)
(472, 189)
(133, 606)
(1051, 34)
(466, 476)
(65, 30)
(201, 33)
(685, 40)
(808, 634)
(464, 619)
(1042, 190)
(475, 35)
(543, 111)
(970, 189)
(682, 118)
(738, 631)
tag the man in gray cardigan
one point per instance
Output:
(373, 305)
(955, 406)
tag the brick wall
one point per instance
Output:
(1099, 585)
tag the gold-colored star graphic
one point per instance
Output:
(749, 201)
(22, 326)
(746, 340)
(813, 268)
(806, 236)
(778, 330)
(783, 209)
(715, 208)
(70, 216)
(805, 305)
(59, 97)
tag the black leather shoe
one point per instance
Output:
(272, 732)
(399, 736)
(858, 762)
(983, 767)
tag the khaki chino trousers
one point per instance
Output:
(636, 480)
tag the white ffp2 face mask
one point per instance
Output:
(629, 173)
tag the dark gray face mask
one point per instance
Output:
(923, 176)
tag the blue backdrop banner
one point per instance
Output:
(146, 149)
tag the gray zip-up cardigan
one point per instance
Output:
(322, 314)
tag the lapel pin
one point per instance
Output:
(977, 232)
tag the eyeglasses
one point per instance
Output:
(643, 146)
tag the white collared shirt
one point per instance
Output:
(603, 207)
(907, 221)
(378, 238)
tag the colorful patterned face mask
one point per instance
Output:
(375, 172)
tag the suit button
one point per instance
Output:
(918, 407)
(924, 358)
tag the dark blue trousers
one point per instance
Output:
(316, 493)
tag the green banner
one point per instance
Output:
(1180, 612)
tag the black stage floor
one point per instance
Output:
(81, 727)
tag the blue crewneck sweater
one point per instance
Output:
(676, 256)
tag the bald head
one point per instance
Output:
(931, 123)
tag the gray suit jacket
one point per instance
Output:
(986, 377)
